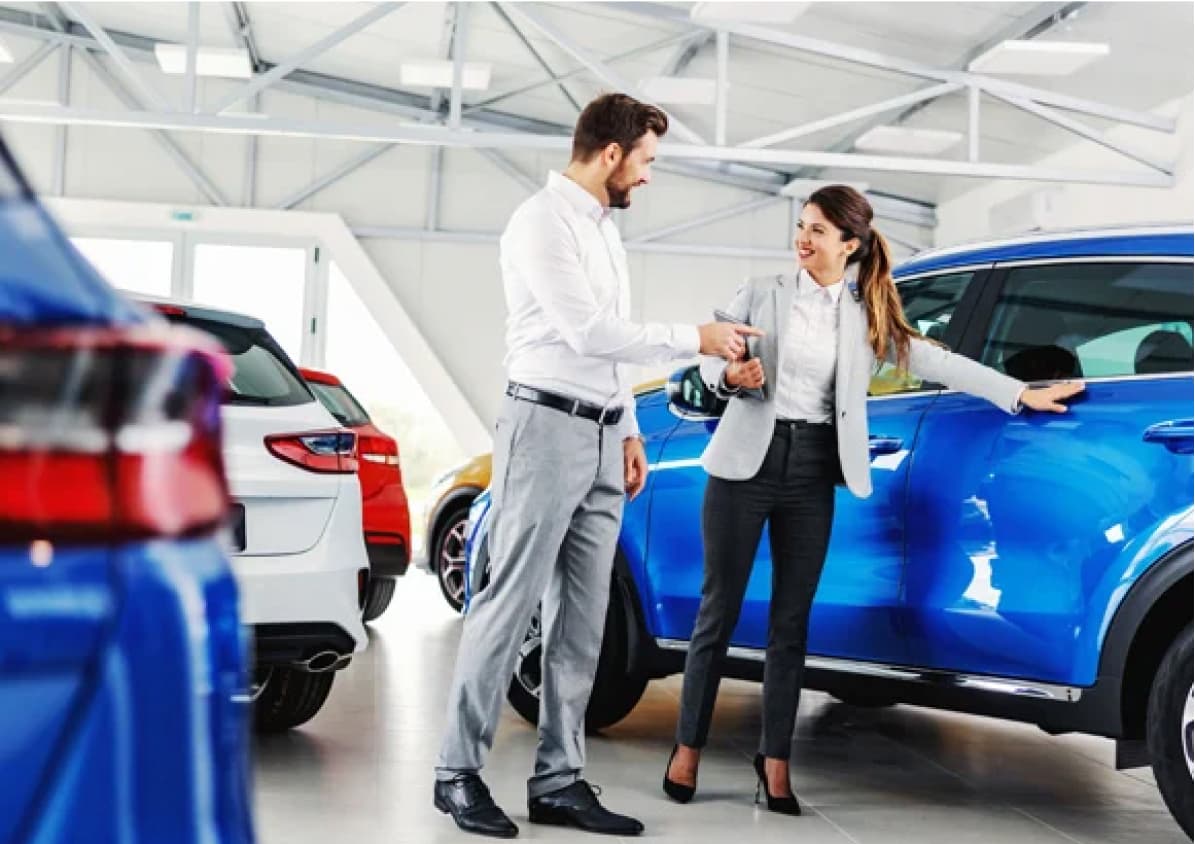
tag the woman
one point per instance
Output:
(779, 451)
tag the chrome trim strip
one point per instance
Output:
(924, 676)
(1096, 259)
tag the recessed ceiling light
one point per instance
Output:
(1039, 58)
(803, 188)
(746, 12)
(903, 139)
(475, 76)
(679, 90)
(228, 62)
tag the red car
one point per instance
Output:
(385, 512)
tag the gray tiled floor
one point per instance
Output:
(360, 772)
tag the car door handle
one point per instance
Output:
(1177, 435)
(884, 445)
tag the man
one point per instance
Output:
(567, 452)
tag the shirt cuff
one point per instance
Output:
(687, 339)
(628, 425)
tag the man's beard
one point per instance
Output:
(620, 195)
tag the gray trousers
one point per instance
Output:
(558, 493)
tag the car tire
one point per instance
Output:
(1168, 729)
(448, 553)
(288, 697)
(615, 690)
(377, 599)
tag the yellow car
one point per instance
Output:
(451, 494)
(448, 515)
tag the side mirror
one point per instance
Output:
(690, 398)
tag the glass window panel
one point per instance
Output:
(929, 303)
(1092, 320)
(135, 266)
(361, 355)
(267, 282)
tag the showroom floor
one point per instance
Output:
(361, 771)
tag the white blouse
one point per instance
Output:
(809, 357)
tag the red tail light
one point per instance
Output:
(334, 452)
(109, 434)
(380, 450)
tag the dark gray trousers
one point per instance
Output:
(793, 493)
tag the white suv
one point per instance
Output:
(294, 532)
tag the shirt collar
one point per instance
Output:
(806, 285)
(576, 196)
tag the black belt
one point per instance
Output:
(786, 424)
(573, 407)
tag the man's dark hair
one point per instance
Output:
(615, 119)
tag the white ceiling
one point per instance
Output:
(771, 88)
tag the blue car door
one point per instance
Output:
(856, 608)
(1023, 529)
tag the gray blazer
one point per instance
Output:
(737, 450)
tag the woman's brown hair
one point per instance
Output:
(887, 327)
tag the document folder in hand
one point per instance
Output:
(757, 392)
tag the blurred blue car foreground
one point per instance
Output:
(123, 713)
(1034, 567)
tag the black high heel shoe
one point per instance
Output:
(679, 792)
(786, 805)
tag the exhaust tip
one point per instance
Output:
(323, 661)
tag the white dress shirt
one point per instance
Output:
(568, 297)
(809, 358)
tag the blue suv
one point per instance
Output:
(122, 659)
(1036, 567)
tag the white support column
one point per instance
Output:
(434, 180)
(458, 64)
(182, 269)
(191, 79)
(723, 44)
(249, 188)
(315, 308)
(60, 138)
(973, 123)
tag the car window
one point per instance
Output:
(1079, 320)
(929, 303)
(262, 373)
(340, 403)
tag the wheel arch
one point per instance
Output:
(1155, 610)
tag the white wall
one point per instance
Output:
(966, 218)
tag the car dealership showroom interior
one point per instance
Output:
(684, 421)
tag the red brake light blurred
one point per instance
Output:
(381, 450)
(109, 434)
(333, 452)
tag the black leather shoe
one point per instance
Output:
(577, 806)
(466, 798)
